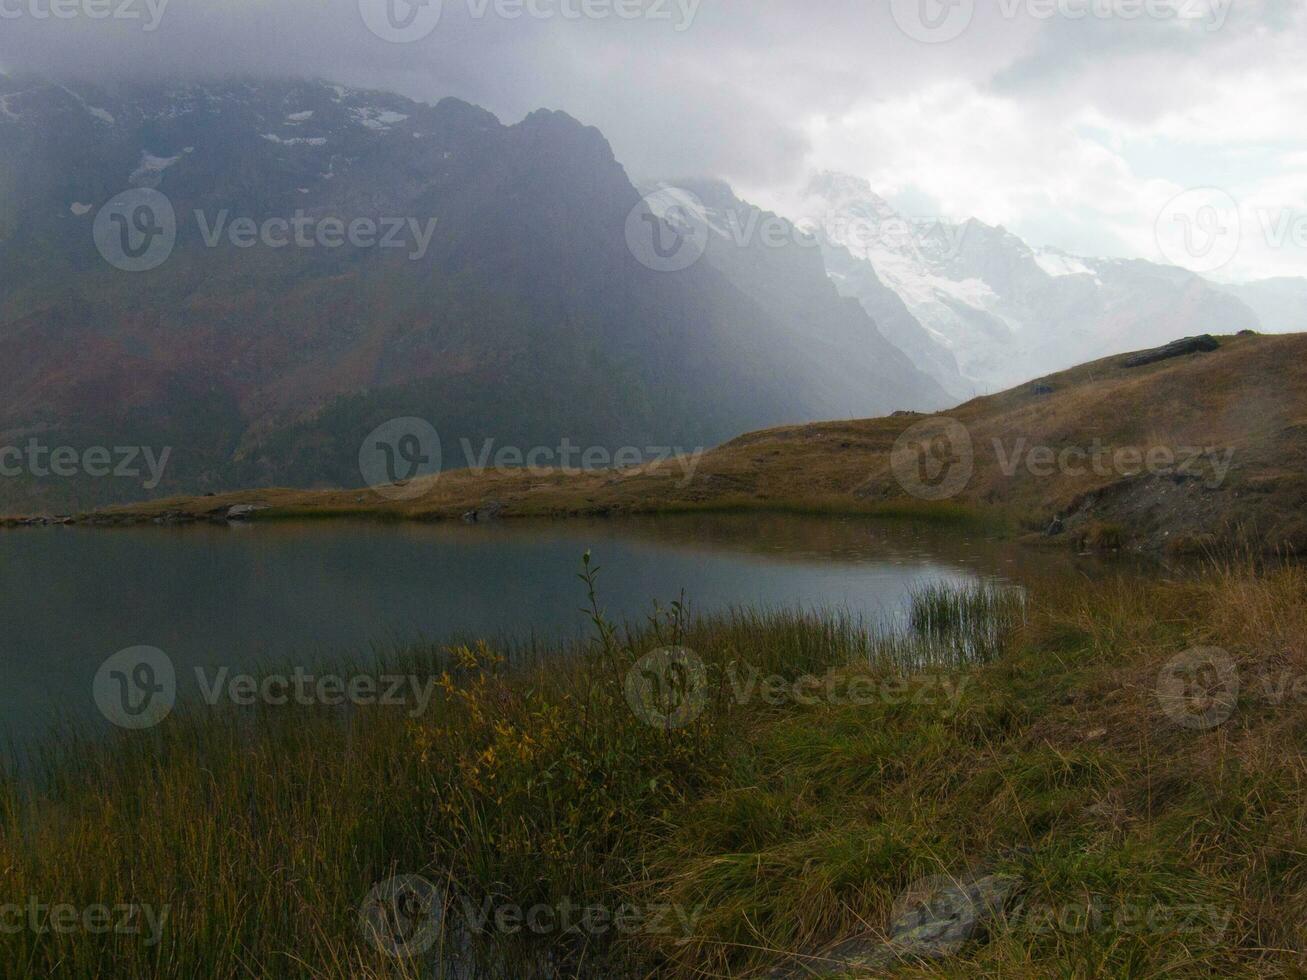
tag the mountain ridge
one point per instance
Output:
(1181, 455)
(526, 317)
(1004, 310)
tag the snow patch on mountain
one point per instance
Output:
(295, 140)
(150, 168)
(1061, 264)
(1006, 312)
(377, 119)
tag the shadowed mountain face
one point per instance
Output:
(834, 348)
(496, 295)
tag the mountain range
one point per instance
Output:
(516, 306)
(526, 318)
(996, 311)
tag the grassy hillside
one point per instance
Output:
(1173, 455)
(774, 826)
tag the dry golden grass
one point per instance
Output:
(783, 827)
(1248, 399)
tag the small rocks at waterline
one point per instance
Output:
(491, 510)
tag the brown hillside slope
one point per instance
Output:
(1170, 455)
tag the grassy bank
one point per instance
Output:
(1180, 456)
(808, 774)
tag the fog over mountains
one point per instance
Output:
(507, 301)
(514, 308)
(1004, 312)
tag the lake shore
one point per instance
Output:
(1180, 455)
(769, 826)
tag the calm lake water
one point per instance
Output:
(307, 593)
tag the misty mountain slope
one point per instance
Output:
(1007, 312)
(1281, 304)
(857, 279)
(512, 307)
(1181, 454)
(833, 344)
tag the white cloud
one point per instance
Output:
(1073, 131)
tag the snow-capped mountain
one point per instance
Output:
(834, 345)
(1003, 311)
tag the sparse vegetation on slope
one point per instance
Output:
(1179, 455)
(781, 818)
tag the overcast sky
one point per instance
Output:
(1073, 123)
